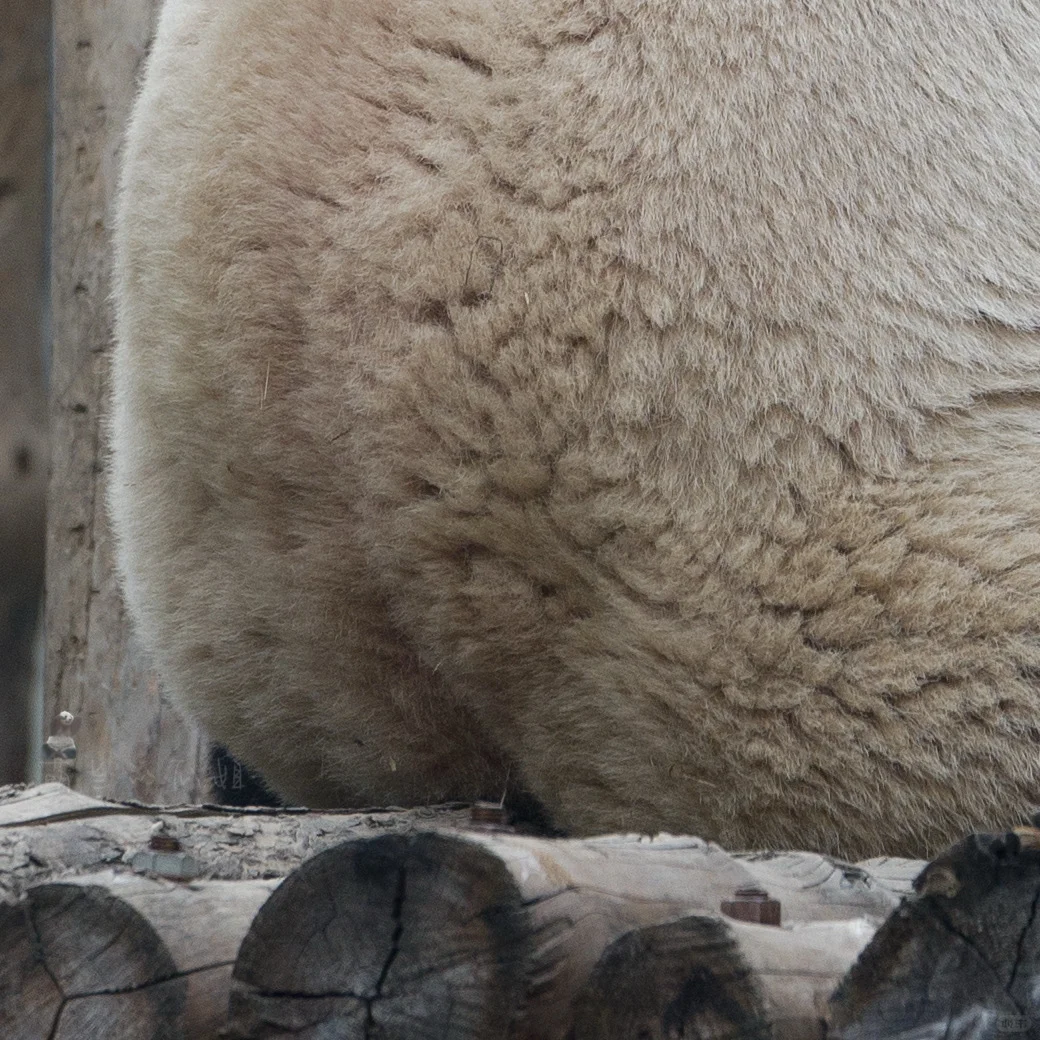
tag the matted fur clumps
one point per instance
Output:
(636, 402)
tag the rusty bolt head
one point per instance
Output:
(177, 866)
(754, 905)
(488, 814)
(164, 843)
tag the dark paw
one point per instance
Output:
(527, 814)
(236, 784)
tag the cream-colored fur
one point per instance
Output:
(637, 399)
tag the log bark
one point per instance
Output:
(960, 958)
(130, 742)
(465, 935)
(49, 833)
(24, 61)
(708, 977)
(122, 957)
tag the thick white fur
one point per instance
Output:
(637, 399)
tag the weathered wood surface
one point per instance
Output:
(960, 958)
(812, 887)
(49, 833)
(431, 929)
(122, 957)
(24, 61)
(130, 742)
(710, 977)
(894, 872)
(471, 935)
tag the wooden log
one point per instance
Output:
(894, 872)
(709, 977)
(960, 957)
(812, 887)
(122, 957)
(131, 742)
(49, 832)
(461, 935)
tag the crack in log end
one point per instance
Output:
(331, 946)
(944, 921)
(958, 958)
(372, 1029)
(142, 987)
(68, 1003)
(81, 955)
(39, 956)
(1020, 946)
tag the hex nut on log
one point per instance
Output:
(754, 905)
(489, 815)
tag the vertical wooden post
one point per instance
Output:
(24, 89)
(130, 742)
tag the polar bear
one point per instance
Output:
(633, 402)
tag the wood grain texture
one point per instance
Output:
(123, 957)
(709, 977)
(416, 924)
(960, 957)
(131, 743)
(486, 935)
(812, 887)
(49, 833)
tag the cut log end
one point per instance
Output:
(375, 937)
(961, 957)
(80, 962)
(686, 978)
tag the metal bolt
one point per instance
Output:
(165, 856)
(177, 866)
(488, 814)
(754, 905)
(164, 843)
(61, 744)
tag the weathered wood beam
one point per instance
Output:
(49, 833)
(435, 928)
(130, 742)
